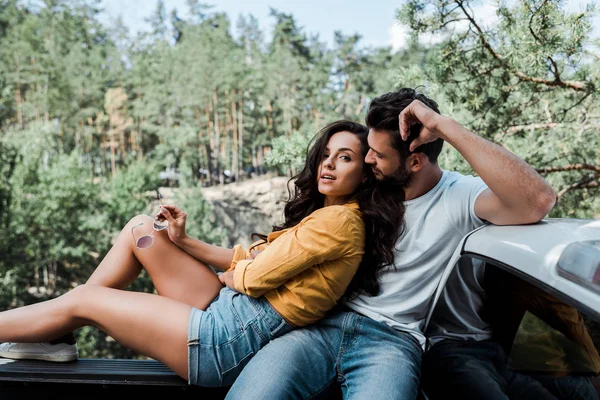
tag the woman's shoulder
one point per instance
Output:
(339, 221)
(338, 213)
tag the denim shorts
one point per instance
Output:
(223, 339)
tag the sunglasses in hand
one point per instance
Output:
(146, 241)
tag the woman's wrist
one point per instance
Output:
(181, 241)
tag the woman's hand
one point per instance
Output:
(226, 279)
(176, 218)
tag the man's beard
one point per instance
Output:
(401, 178)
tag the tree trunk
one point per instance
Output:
(260, 158)
(270, 119)
(227, 146)
(240, 156)
(36, 278)
(132, 140)
(19, 105)
(46, 112)
(234, 149)
(291, 124)
(123, 141)
(113, 155)
(360, 105)
(78, 147)
(254, 159)
(217, 131)
(286, 117)
(209, 151)
(140, 145)
(139, 129)
(199, 155)
(61, 135)
(317, 116)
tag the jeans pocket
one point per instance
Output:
(258, 305)
(244, 311)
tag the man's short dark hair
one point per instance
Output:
(383, 116)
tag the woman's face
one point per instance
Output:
(341, 170)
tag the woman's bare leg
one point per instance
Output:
(148, 324)
(175, 274)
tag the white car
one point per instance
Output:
(532, 292)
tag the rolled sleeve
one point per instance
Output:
(326, 234)
(239, 253)
(238, 275)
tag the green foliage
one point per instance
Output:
(52, 221)
(200, 222)
(8, 160)
(129, 193)
(290, 152)
(528, 82)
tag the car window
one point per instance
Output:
(542, 336)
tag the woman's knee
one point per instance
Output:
(77, 300)
(138, 226)
(139, 220)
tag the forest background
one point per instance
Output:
(93, 120)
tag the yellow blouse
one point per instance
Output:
(304, 270)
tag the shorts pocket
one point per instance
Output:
(234, 357)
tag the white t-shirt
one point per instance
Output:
(434, 225)
(459, 311)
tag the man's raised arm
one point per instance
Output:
(517, 194)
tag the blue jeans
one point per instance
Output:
(368, 359)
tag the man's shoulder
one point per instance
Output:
(457, 179)
(453, 176)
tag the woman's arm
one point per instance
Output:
(216, 256)
(328, 234)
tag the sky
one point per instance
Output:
(323, 17)
(374, 20)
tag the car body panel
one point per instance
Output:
(535, 249)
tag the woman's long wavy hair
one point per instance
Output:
(381, 205)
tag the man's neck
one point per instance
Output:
(423, 181)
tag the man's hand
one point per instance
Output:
(226, 279)
(419, 113)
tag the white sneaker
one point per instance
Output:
(60, 352)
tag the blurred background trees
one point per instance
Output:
(94, 121)
(529, 81)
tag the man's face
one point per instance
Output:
(385, 160)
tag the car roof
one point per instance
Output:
(535, 249)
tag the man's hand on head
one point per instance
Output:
(419, 113)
